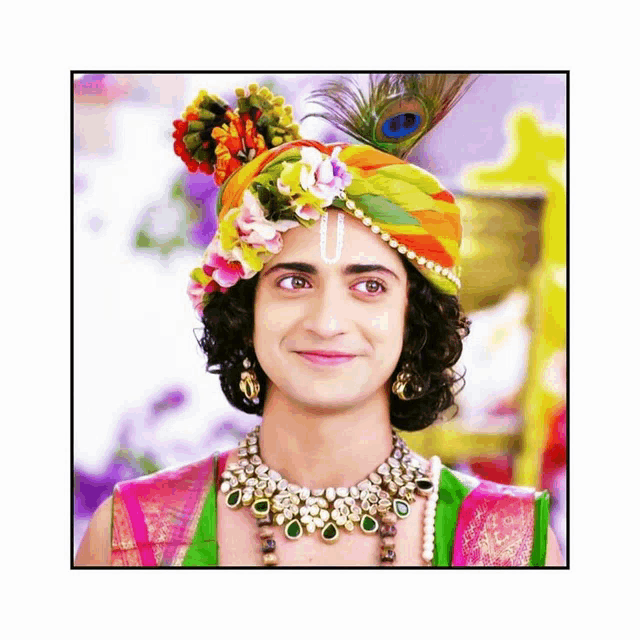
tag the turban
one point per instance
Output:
(274, 181)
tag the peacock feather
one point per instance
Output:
(399, 110)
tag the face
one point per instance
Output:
(330, 307)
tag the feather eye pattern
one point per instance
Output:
(399, 110)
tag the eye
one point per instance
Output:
(298, 278)
(379, 287)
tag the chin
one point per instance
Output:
(329, 396)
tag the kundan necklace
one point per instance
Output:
(387, 493)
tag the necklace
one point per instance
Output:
(374, 505)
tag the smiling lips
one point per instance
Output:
(326, 357)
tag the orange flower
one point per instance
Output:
(237, 143)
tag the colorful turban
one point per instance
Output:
(401, 203)
(272, 181)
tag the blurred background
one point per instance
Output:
(143, 400)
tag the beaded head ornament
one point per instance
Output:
(272, 180)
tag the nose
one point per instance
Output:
(326, 313)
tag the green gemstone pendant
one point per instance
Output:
(401, 508)
(330, 533)
(369, 524)
(260, 508)
(293, 530)
(233, 499)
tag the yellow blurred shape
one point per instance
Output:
(494, 261)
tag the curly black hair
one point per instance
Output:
(435, 326)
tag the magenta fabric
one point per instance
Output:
(495, 527)
(129, 496)
(155, 517)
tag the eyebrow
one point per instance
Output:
(305, 267)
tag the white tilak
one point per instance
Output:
(323, 238)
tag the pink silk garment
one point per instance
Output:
(495, 527)
(155, 517)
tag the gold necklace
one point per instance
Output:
(375, 504)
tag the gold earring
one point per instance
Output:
(406, 377)
(249, 384)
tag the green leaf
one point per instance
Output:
(202, 155)
(261, 192)
(195, 125)
(147, 465)
(177, 191)
(210, 105)
(200, 276)
(143, 240)
(244, 105)
(205, 114)
(258, 101)
(192, 141)
(263, 179)
(306, 223)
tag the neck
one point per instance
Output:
(318, 447)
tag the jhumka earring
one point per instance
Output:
(407, 377)
(249, 384)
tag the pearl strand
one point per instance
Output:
(430, 512)
(411, 255)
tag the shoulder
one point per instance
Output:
(493, 524)
(155, 516)
(464, 483)
(95, 547)
(554, 554)
(169, 480)
(166, 484)
(494, 490)
(501, 525)
(150, 497)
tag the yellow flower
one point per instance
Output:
(252, 256)
(290, 177)
(227, 230)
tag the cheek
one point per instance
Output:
(273, 322)
(387, 323)
(381, 322)
(276, 317)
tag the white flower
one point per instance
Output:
(324, 177)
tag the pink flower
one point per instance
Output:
(195, 290)
(255, 230)
(226, 267)
(307, 212)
